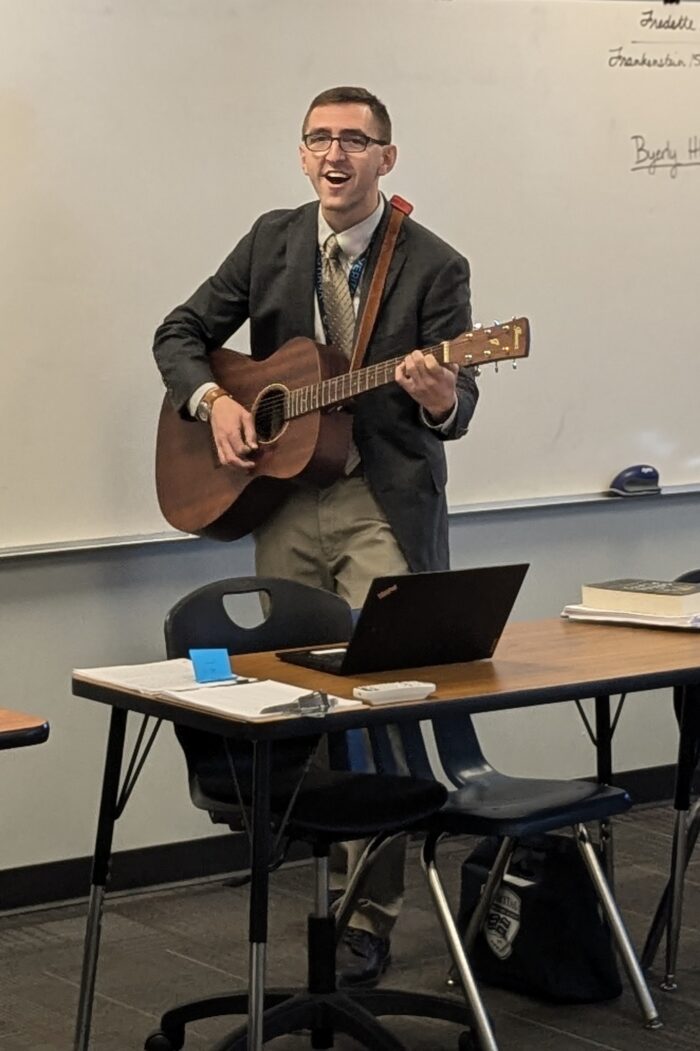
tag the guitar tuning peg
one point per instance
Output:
(495, 366)
(514, 365)
(477, 325)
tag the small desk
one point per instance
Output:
(539, 662)
(18, 730)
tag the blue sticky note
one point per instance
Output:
(211, 665)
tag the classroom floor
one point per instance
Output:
(170, 944)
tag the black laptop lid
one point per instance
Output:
(420, 619)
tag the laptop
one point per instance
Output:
(419, 619)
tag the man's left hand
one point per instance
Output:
(430, 384)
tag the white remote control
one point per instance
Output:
(394, 691)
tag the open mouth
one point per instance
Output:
(336, 178)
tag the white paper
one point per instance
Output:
(174, 681)
(148, 679)
(579, 612)
(248, 701)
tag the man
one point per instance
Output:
(388, 512)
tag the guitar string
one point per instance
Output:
(382, 371)
(379, 371)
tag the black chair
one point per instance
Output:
(669, 911)
(484, 802)
(319, 807)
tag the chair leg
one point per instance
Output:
(482, 1024)
(619, 931)
(481, 910)
(661, 918)
(396, 1002)
(607, 852)
(493, 881)
(358, 879)
(170, 1035)
(324, 1016)
(679, 861)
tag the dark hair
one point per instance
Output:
(335, 96)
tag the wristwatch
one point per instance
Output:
(205, 405)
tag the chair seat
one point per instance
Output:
(493, 804)
(334, 805)
(339, 805)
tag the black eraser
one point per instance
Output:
(639, 480)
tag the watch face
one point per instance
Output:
(203, 411)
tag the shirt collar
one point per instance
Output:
(356, 239)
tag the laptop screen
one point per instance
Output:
(419, 619)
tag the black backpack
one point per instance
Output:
(544, 934)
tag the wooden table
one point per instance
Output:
(18, 730)
(540, 662)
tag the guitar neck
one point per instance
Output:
(348, 385)
(499, 342)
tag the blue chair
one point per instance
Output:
(484, 802)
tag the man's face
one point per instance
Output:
(347, 184)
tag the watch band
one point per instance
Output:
(205, 406)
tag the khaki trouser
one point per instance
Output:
(339, 539)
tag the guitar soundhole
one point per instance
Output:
(268, 413)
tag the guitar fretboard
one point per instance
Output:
(347, 385)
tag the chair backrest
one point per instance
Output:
(445, 748)
(691, 577)
(294, 615)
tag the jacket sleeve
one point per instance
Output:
(445, 314)
(206, 320)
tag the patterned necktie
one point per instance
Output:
(337, 301)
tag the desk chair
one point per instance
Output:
(484, 802)
(319, 807)
(669, 911)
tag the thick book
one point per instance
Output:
(644, 620)
(653, 598)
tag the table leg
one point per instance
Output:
(259, 873)
(100, 874)
(689, 734)
(604, 776)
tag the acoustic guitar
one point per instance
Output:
(294, 397)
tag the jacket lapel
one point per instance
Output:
(299, 276)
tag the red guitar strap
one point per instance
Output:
(399, 208)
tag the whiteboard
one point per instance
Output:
(141, 138)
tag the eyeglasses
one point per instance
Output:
(349, 141)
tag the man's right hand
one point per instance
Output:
(234, 433)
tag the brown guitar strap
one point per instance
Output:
(399, 208)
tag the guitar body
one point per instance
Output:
(296, 442)
(198, 495)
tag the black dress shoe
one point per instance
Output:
(361, 959)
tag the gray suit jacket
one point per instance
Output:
(269, 279)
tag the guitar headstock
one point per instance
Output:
(502, 342)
